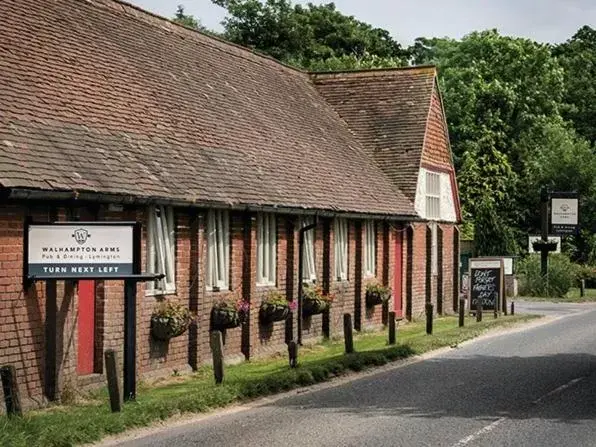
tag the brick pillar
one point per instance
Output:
(358, 278)
(193, 292)
(247, 283)
(440, 275)
(410, 271)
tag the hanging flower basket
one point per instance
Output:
(269, 313)
(225, 319)
(376, 293)
(313, 306)
(169, 320)
(550, 246)
(376, 298)
(314, 300)
(166, 328)
(229, 313)
(275, 307)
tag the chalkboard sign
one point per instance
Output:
(486, 283)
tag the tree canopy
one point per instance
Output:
(521, 114)
(304, 34)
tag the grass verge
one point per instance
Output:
(573, 296)
(91, 421)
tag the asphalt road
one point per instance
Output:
(535, 387)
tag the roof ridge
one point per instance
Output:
(369, 72)
(152, 18)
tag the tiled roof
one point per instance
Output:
(387, 110)
(99, 96)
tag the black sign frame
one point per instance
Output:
(498, 279)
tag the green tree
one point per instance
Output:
(578, 58)
(495, 89)
(561, 161)
(187, 20)
(305, 35)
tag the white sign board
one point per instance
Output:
(508, 266)
(485, 264)
(532, 239)
(80, 250)
(564, 211)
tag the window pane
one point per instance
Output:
(161, 247)
(266, 248)
(341, 249)
(308, 253)
(369, 248)
(218, 240)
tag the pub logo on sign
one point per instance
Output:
(81, 235)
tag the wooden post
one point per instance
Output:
(462, 310)
(293, 353)
(12, 399)
(582, 288)
(429, 318)
(512, 308)
(479, 310)
(392, 328)
(504, 306)
(348, 336)
(130, 340)
(496, 313)
(112, 376)
(216, 341)
(385, 313)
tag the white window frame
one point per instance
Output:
(309, 266)
(433, 195)
(370, 249)
(218, 250)
(340, 231)
(266, 249)
(434, 232)
(161, 249)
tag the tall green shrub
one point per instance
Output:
(561, 275)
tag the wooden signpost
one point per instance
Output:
(486, 283)
(91, 250)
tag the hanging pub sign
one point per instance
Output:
(486, 283)
(85, 250)
(564, 210)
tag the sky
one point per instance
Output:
(542, 20)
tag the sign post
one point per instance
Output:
(92, 250)
(486, 283)
(564, 213)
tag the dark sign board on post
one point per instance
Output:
(486, 283)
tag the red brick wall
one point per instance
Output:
(418, 265)
(22, 315)
(448, 232)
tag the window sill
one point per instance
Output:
(160, 292)
(266, 285)
(342, 282)
(217, 289)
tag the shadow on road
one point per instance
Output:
(474, 387)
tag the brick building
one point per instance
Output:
(110, 113)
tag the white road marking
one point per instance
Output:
(490, 427)
(558, 390)
(487, 429)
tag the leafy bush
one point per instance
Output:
(561, 276)
(587, 273)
